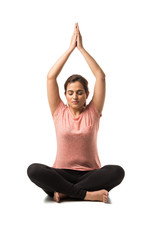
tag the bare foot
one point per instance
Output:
(100, 195)
(58, 196)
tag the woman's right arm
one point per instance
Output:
(57, 67)
(52, 86)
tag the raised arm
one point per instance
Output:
(52, 86)
(100, 84)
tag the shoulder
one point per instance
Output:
(92, 107)
(60, 107)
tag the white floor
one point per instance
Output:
(30, 214)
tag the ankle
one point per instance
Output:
(87, 196)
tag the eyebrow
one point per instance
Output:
(72, 90)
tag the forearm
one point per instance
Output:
(95, 68)
(57, 67)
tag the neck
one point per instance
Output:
(76, 112)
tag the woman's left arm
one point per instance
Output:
(100, 85)
(95, 68)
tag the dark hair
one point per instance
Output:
(79, 78)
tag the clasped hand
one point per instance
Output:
(76, 40)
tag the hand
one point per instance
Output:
(79, 39)
(76, 39)
(73, 43)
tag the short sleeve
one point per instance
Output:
(94, 109)
(59, 109)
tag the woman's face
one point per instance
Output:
(75, 92)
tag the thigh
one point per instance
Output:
(100, 178)
(52, 179)
(38, 171)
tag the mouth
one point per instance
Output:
(75, 102)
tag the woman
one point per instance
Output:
(77, 171)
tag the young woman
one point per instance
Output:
(77, 171)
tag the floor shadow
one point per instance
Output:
(49, 199)
(109, 201)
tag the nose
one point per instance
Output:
(74, 96)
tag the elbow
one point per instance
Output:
(104, 76)
(51, 77)
(48, 76)
(101, 75)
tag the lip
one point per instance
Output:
(75, 102)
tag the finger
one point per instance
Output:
(76, 29)
(76, 26)
(76, 33)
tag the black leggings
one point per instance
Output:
(75, 183)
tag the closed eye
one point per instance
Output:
(79, 92)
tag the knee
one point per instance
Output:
(32, 170)
(120, 172)
(116, 171)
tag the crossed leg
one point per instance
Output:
(98, 183)
(93, 185)
(54, 180)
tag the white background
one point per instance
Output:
(123, 37)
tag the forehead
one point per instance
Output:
(74, 86)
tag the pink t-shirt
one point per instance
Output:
(76, 138)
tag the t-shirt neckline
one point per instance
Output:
(74, 116)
